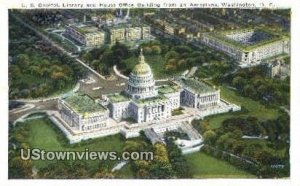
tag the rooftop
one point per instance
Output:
(249, 37)
(127, 25)
(196, 86)
(83, 104)
(117, 97)
(260, 37)
(85, 29)
(167, 89)
(153, 100)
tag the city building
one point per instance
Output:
(86, 35)
(141, 106)
(169, 28)
(273, 68)
(276, 68)
(143, 101)
(248, 46)
(198, 95)
(82, 113)
(128, 32)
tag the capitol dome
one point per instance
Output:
(141, 83)
(142, 68)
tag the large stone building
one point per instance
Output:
(142, 105)
(86, 35)
(144, 102)
(82, 113)
(127, 32)
(198, 95)
(248, 47)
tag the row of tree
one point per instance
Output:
(168, 161)
(253, 83)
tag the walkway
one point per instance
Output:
(192, 71)
(118, 73)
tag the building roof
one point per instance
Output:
(153, 100)
(85, 29)
(131, 24)
(196, 86)
(117, 97)
(222, 36)
(83, 104)
(167, 89)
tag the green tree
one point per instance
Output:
(209, 136)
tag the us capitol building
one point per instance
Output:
(142, 103)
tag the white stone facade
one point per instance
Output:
(151, 111)
(174, 100)
(119, 110)
(200, 101)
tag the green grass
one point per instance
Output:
(43, 136)
(205, 166)
(254, 108)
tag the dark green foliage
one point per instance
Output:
(253, 83)
(178, 161)
(104, 58)
(37, 69)
(264, 157)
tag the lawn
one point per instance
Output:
(44, 136)
(254, 108)
(205, 166)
